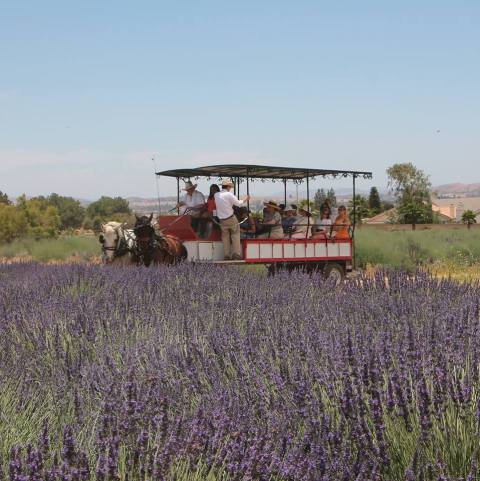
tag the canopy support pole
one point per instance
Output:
(308, 204)
(308, 194)
(354, 259)
(178, 195)
(285, 192)
(248, 191)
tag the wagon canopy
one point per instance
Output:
(261, 172)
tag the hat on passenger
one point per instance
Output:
(290, 209)
(272, 204)
(305, 212)
(227, 183)
(189, 185)
(294, 206)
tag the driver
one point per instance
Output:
(193, 204)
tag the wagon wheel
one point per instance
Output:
(335, 272)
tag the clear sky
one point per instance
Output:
(91, 90)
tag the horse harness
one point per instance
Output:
(148, 241)
(121, 245)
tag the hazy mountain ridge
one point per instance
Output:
(458, 188)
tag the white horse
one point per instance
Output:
(117, 243)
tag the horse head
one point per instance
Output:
(110, 238)
(144, 234)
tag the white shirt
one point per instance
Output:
(302, 224)
(322, 224)
(224, 202)
(197, 198)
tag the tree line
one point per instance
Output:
(411, 190)
(364, 206)
(43, 217)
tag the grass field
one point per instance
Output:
(65, 247)
(446, 252)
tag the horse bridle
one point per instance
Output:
(118, 243)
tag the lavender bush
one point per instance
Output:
(196, 372)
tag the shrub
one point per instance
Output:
(13, 223)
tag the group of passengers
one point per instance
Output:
(283, 222)
(279, 221)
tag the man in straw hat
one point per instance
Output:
(193, 203)
(224, 201)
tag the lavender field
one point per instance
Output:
(194, 373)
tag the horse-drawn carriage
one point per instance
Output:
(334, 256)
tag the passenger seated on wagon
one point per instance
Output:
(193, 204)
(302, 227)
(272, 222)
(211, 206)
(247, 223)
(210, 214)
(342, 224)
(288, 218)
(324, 225)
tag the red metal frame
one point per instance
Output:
(180, 226)
(246, 242)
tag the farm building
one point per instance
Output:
(455, 207)
(388, 217)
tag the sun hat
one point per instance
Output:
(307, 213)
(227, 183)
(290, 209)
(189, 185)
(272, 204)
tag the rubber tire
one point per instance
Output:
(334, 270)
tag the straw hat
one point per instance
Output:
(272, 204)
(227, 183)
(189, 185)
(304, 212)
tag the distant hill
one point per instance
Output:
(460, 189)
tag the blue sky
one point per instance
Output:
(90, 91)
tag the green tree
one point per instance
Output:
(414, 213)
(411, 187)
(13, 223)
(469, 217)
(304, 204)
(42, 218)
(319, 199)
(362, 209)
(71, 212)
(332, 197)
(105, 207)
(374, 202)
(386, 205)
(4, 198)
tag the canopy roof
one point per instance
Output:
(261, 172)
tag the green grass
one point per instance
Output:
(409, 250)
(84, 247)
